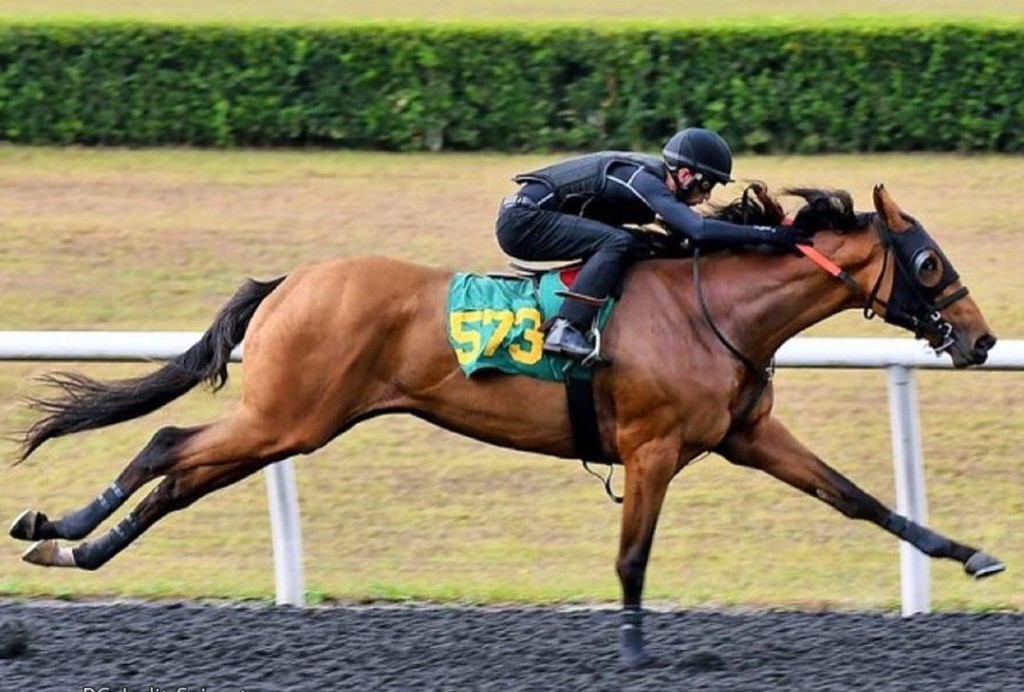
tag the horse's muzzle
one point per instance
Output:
(982, 346)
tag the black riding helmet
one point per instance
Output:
(702, 151)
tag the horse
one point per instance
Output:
(338, 342)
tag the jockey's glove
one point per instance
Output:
(785, 237)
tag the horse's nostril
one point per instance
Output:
(984, 343)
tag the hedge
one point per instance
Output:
(777, 88)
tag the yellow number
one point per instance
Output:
(466, 337)
(504, 320)
(532, 335)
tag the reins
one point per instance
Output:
(763, 375)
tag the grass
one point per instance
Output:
(446, 10)
(396, 509)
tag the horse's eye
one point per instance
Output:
(928, 268)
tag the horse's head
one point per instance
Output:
(925, 293)
(910, 283)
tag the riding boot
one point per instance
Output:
(565, 338)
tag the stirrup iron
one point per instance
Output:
(595, 357)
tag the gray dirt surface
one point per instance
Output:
(190, 647)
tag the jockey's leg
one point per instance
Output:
(531, 233)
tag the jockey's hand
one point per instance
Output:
(786, 237)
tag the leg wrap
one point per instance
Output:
(80, 523)
(632, 630)
(94, 554)
(924, 539)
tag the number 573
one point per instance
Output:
(467, 327)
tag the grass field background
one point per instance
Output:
(153, 240)
(325, 10)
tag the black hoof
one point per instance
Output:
(981, 565)
(26, 526)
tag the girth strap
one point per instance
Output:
(583, 420)
(585, 432)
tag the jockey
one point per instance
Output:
(574, 209)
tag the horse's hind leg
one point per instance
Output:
(32, 525)
(771, 448)
(176, 491)
(226, 451)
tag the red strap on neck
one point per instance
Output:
(830, 267)
(822, 261)
(825, 263)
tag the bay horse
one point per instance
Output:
(342, 341)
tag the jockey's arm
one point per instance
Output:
(689, 226)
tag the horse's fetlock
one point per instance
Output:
(87, 557)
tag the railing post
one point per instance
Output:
(286, 532)
(915, 574)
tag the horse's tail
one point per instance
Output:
(87, 404)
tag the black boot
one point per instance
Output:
(564, 338)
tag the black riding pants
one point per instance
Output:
(533, 234)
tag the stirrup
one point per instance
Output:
(595, 358)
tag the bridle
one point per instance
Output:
(912, 304)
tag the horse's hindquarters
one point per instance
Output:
(346, 340)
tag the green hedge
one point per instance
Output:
(927, 86)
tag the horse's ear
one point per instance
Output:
(889, 210)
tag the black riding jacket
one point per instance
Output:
(621, 188)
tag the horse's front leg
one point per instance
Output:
(769, 446)
(648, 473)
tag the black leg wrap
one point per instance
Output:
(631, 639)
(924, 539)
(94, 554)
(81, 523)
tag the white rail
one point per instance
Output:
(899, 357)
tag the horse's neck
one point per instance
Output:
(759, 302)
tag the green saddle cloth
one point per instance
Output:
(494, 322)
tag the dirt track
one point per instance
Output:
(178, 647)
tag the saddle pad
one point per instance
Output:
(495, 322)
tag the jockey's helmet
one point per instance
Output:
(702, 151)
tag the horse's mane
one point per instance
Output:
(823, 209)
(827, 209)
(752, 209)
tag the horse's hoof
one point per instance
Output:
(981, 565)
(26, 526)
(49, 553)
(640, 658)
